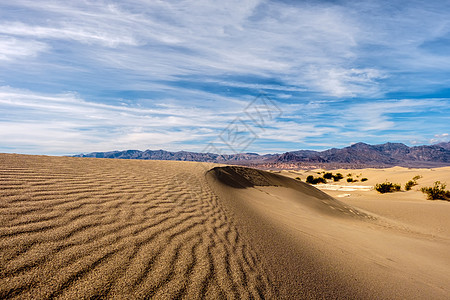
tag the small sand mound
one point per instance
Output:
(241, 177)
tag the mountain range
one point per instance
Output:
(354, 156)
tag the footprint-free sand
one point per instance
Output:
(77, 228)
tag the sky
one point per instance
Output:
(230, 76)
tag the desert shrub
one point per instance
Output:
(412, 182)
(387, 187)
(364, 179)
(298, 178)
(417, 177)
(349, 179)
(315, 180)
(349, 175)
(337, 177)
(320, 180)
(328, 175)
(437, 191)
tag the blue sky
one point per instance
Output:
(84, 76)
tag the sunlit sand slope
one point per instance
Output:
(319, 247)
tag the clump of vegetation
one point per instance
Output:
(337, 177)
(349, 175)
(315, 180)
(350, 180)
(417, 177)
(328, 175)
(298, 178)
(387, 187)
(437, 191)
(409, 185)
(412, 182)
(364, 179)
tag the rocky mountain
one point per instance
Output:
(444, 145)
(356, 155)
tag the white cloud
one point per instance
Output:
(347, 82)
(380, 115)
(66, 123)
(13, 48)
(70, 32)
(167, 39)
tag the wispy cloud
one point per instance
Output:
(13, 48)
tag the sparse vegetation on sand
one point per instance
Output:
(387, 187)
(437, 192)
(338, 177)
(412, 182)
(315, 180)
(326, 176)
(364, 179)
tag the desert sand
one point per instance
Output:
(76, 228)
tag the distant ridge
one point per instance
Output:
(354, 156)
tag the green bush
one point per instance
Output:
(298, 178)
(315, 180)
(337, 177)
(320, 180)
(349, 175)
(349, 179)
(412, 182)
(437, 192)
(387, 187)
(417, 177)
(364, 179)
(328, 175)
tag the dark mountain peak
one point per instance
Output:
(304, 153)
(288, 157)
(359, 145)
(445, 145)
(391, 146)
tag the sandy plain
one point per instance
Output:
(76, 228)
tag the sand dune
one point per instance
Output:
(96, 228)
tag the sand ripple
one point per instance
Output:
(89, 228)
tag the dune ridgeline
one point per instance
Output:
(77, 228)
